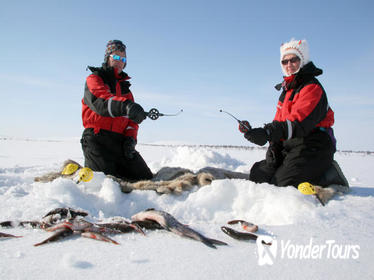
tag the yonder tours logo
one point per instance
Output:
(268, 250)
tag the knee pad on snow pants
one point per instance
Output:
(105, 152)
(261, 172)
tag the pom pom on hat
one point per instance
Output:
(112, 46)
(296, 47)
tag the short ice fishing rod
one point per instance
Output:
(244, 126)
(154, 114)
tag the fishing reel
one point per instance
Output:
(154, 114)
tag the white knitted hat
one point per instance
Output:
(296, 47)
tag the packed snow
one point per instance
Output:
(309, 241)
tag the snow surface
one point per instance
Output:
(286, 215)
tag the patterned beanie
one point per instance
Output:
(297, 47)
(112, 46)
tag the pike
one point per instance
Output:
(168, 222)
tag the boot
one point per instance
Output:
(334, 176)
(332, 182)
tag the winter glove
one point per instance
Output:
(274, 157)
(258, 136)
(244, 126)
(135, 112)
(129, 148)
(277, 131)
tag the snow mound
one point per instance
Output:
(284, 213)
(197, 158)
(217, 203)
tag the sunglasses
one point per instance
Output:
(292, 60)
(117, 57)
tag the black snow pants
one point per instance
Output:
(295, 161)
(105, 152)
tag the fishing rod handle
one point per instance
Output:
(244, 126)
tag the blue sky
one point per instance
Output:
(199, 56)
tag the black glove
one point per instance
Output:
(258, 136)
(274, 156)
(277, 131)
(135, 112)
(129, 148)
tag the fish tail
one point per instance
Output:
(217, 242)
(189, 232)
(208, 242)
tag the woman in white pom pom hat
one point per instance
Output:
(301, 138)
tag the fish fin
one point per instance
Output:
(148, 224)
(59, 226)
(98, 236)
(247, 226)
(33, 224)
(137, 228)
(233, 222)
(250, 227)
(7, 224)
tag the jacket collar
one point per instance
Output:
(305, 74)
(104, 69)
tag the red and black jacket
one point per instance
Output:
(302, 106)
(103, 102)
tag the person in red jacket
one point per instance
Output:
(111, 119)
(301, 139)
